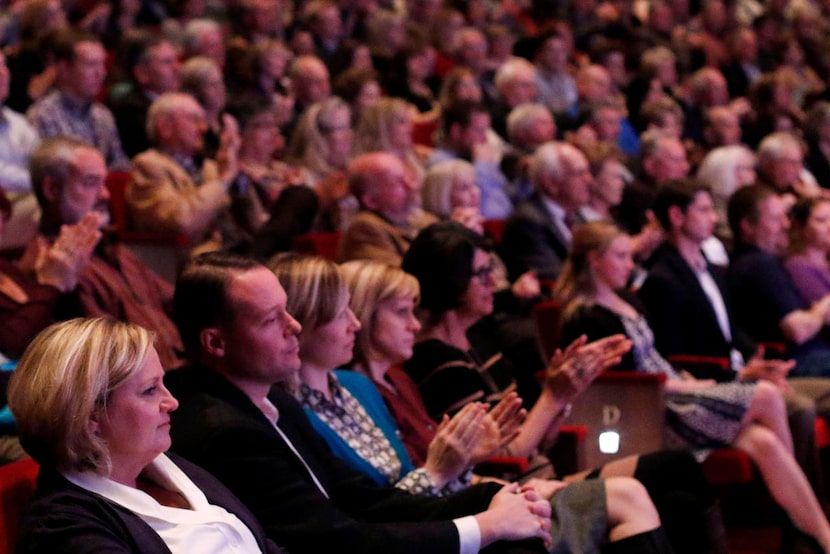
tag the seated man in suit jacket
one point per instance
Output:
(389, 216)
(538, 234)
(258, 442)
(175, 190)
(689, 309)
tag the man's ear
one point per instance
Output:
(163, 126)
(368, 200)
(51, 189)
(676, 216)
(141, 74)
(212, 342)
(747, 229)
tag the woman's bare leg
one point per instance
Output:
(769, 409)
(785, 481)
(630, 510)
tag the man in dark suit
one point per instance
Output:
(684, 293)
(257, 441)
(690, 312)
(153, 63)
(537, 235)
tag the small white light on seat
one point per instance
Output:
(609, 442)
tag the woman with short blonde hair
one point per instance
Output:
(344, 407)
(89, 358)
(443, 181)
(371, 284)
(93, 411)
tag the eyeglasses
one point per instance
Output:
(483, 274)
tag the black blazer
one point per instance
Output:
(219, 427)
(531, 240)
(680, 314)
(65, 518)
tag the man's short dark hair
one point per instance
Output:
(744, 205)
(135, 49)
(65, 41)
(461, 113)
(677, 192)
(200, 299)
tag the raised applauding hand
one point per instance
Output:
(572, 370)
(60, 263)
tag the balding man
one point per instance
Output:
(781, 166)
(515, 83)
(388, 219)
(537, 236)
(310, 81)
(68, 179)
(663, 158)
(172, 189)
(593, 84)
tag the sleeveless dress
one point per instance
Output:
(702, 419)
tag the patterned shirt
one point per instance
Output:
(18, 139)
(348, 419)
(58, 114)
(646, 356)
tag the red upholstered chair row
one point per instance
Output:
(17, 483)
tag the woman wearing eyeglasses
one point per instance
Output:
(454, 268)
(455, 275)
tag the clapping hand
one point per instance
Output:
(500, 426)
(449, 452)
(570, 372)
(59, 264)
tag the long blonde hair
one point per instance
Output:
(374, 130)
(308, 146)
(576, 284)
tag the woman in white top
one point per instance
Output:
(93, 411)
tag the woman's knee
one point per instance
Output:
(768, 399)
(627, 497)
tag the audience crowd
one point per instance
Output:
(662, 170)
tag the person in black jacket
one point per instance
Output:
(257, 440)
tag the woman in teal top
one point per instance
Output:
(345, 407)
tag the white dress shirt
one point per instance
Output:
(204, 528)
